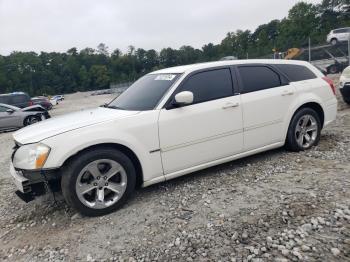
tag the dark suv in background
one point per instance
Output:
(18, 99)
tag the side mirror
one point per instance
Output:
(184, 98)
(10, 111)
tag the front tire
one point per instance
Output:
(304, 130)
(29, 120)
(98, 181)
(334, 41)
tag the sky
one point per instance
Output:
(57, 25)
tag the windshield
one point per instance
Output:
(145, 93)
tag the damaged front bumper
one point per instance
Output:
(31, 184)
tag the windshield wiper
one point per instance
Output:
(114, 107)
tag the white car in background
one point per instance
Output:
(58, 97)
(338, 35)
(53, 101)
(344, 85)
(170, 123)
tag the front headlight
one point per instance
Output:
(31, 157)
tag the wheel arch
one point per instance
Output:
(122, 148)
(310, 104)
(315, 106)
(334, 38)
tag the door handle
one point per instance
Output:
(230, 105)
(287, 93)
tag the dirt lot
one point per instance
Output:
(275, 206)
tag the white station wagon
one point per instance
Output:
(170, 123)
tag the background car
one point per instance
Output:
(54, 101)
(43, 101)
(12, 117)
(338, 35)
(58, 97)
(18, 99)
(344, 85)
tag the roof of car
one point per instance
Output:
(199, 66)
(14, 94)
(39, 97)
(340, 28)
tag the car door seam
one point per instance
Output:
(252, 127)
(190, 143)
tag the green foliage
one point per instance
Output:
(90, 69)
(99, 76)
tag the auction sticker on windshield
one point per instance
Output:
(165, 77)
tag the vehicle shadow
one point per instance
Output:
(215, 170)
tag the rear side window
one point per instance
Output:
(16, 99)
(296, 72)
(339, 31)
(4, 99)
(209, 85)
(257, 78)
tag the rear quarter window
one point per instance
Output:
(296, 73)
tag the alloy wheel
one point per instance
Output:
(101, 183)
(306, 131)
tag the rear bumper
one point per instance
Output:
(330, 112)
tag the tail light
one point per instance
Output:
(30, 102)
(330, 82)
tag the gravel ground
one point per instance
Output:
(275, 206)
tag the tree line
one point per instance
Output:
(91, 69)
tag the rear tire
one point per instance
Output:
(98, 181)
(304, 130)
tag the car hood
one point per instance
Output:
(344, 78)
(61, 124)
(33, 108)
